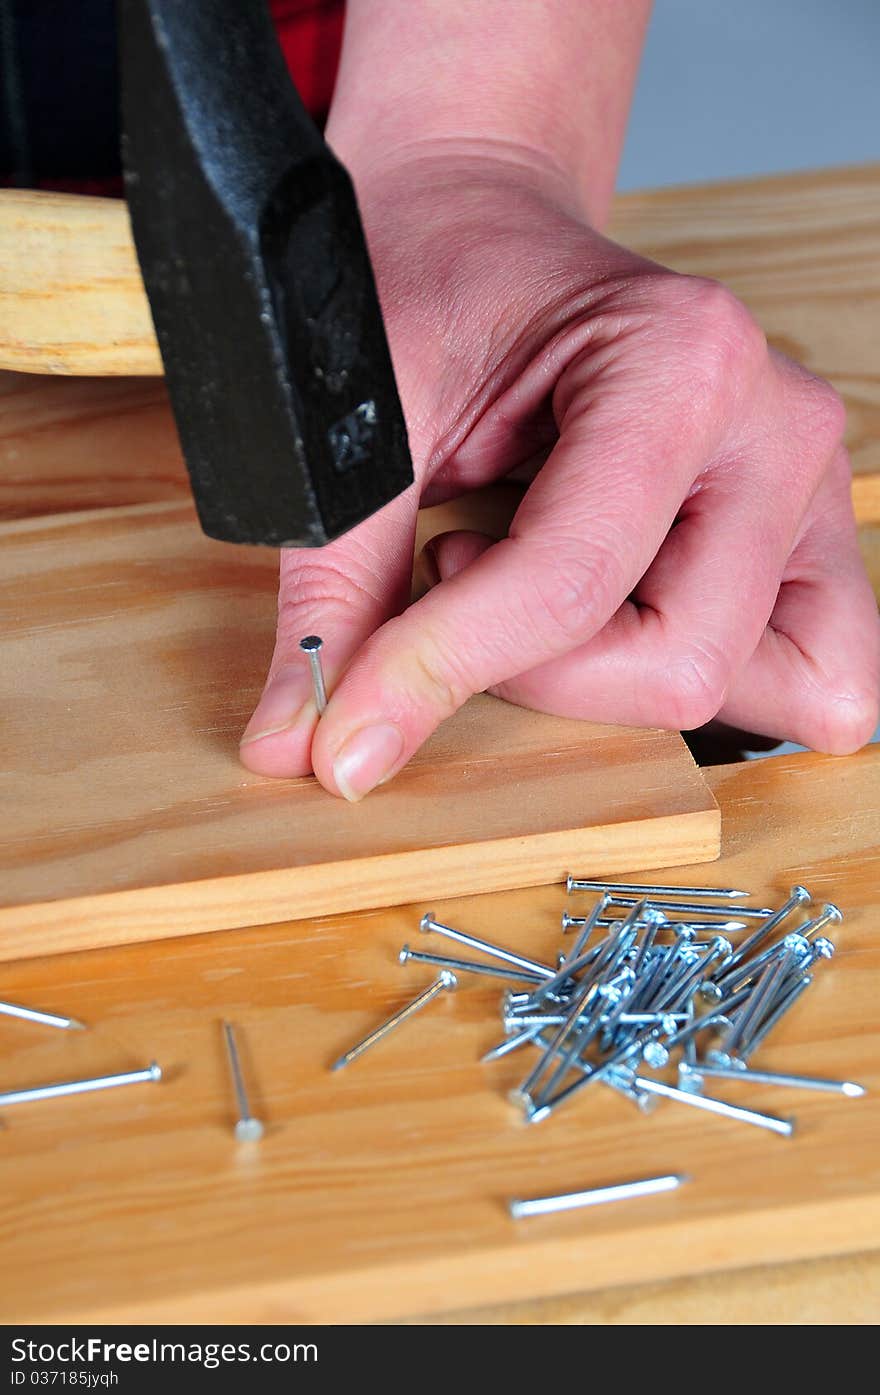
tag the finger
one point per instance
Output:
(671, 655)
(343, 592)
(572, 556)
(811, 678)
(451, 552)
(815, 677)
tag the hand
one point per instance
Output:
(687, 547)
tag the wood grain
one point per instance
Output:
(802, 250)
(131, 656)
(869, 542)
(85, 443)
(841, 1291)
(71, 295)
(379, 1192)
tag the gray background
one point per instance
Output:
(731, 88)
(742, 87)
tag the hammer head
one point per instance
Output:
(259, 280)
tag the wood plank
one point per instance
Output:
(131, 656)
(85, 443)
(802, 250)
(378, 1192)
(841, 1291)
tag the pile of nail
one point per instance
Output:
(652, 978)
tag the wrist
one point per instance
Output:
(539, 85)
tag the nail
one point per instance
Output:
(651, 890)
(445, 981)
(465, 966)
(367, 758)
(45, 1019)
(311, 647)
(774, 1017)
(248, 1129)
(597, 1196)
(785, 1127)
(281, 708)
(509, 1044)
(428, 924)
(772, 1077)
(79, 1087)
(798, 896)
(692, 909)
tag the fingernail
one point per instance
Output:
(281, 708)
(366, 759)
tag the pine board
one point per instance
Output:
(379, 1192)
(131, 652)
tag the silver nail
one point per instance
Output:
(446, 980)
(45, 1019)
(727, 979)
(798, 896)
(829, 915)
(785, 1127)
(771, 1077)
(596, 1196)
(773, 1018)
(761, 997)
(248, 1129)
(639, 889)
(311, 647)
(687, 908)
(587, 995)
(428, 925)
(509, 1044)
(81, 1087)
(541, 1109)
(469, 966)
(588, 926)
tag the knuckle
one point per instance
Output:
(693, 687)
(317, 588)
(728, 348)
(822, 413)
(575, 588)
(843, 722)
(843, 706)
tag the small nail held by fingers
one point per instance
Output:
(311, 647)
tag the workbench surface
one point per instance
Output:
(379, 1192)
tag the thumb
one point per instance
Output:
(343, 592)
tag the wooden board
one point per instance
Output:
(131, 656)
(842, 1290)
(85, 443)
(379, 1191)
(802, 250)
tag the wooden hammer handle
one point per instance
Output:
(71, 295)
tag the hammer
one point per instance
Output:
(256, 268)
(259, 280)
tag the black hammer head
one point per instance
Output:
(259, 281)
